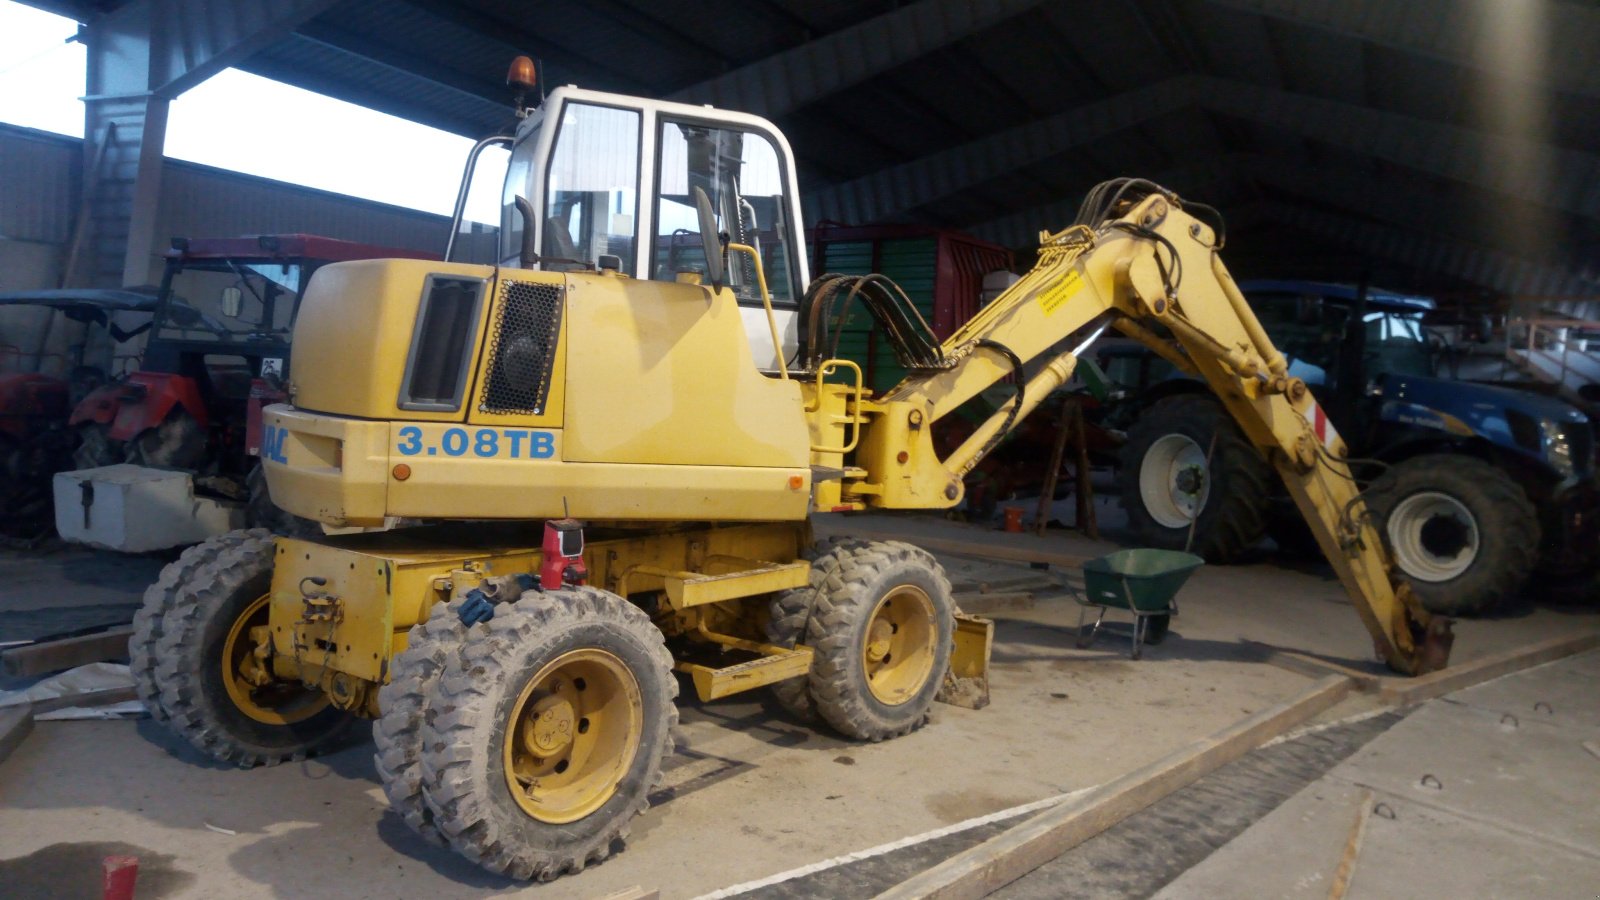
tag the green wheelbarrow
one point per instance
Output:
(1144, 582)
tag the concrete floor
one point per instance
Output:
(749, 794)
(1508, 812)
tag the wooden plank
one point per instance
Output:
(1312, 667)
(15, 723)
(983, 604)
(1019, 850)
(1405, 691)
(1352, 848)
(68, 653)
(86, 698)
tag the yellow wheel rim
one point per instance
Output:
(572, 735)
(898, 649)
(250, 684)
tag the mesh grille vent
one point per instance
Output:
(525, 334)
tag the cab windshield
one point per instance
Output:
(227, 300)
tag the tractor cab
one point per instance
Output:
(604, 181)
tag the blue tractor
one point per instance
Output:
(1475, 486)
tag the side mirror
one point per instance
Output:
(232, 302)
(709, 238)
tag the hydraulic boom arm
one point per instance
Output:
(1146, 262)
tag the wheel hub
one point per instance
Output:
(1434, 536)
(572, 735)
(549, 731)
(247, 676)
(1173, 482)
(898, 647)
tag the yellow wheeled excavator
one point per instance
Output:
(609, 445)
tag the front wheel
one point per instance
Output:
(1461, 531)
(881, 626)
(546, 732)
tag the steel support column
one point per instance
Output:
(141, 56)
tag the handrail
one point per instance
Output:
(466, 187)
(1549, 326)
(766, 301)
(853, 404)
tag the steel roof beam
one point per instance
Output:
(1466, 261)
(489, 92)
(1554, 177)
(783, 83)
(892, 191)
(1458, 32)
(165, 47)
(1540, 173)
(1022, 229)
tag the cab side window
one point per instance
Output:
(741, 173)
(592, 188)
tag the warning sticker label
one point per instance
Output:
(1055, 296)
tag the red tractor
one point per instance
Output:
(190, 417)
(38, 390)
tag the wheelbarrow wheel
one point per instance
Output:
(1155, 629)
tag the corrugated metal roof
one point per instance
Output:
(1416, 66)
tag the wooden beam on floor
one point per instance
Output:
(67, 653)
(1406, 691)
(1013, 853)
(15, 724)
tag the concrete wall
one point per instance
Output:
(39, 190)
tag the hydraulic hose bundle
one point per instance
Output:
(823, 316)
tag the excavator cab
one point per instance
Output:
(611, 176)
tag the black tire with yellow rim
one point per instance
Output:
(546, 732)
(881, 622)
(216, 692)
(149, 623)
(403, 706)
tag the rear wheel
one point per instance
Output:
(1461, 531)
(149, 621)
(546, 732)
(1166, 482)
(216, 692)
(881, 627)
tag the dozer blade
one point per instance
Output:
(967, 682)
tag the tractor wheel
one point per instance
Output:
(1166, 483)
(148, 622)
(177, 443)
(403, 702)
(96, 448)
(261, 512)
(881, 626)
(787, 616)
(546, 732)
(215, 692)
(1461, 531)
